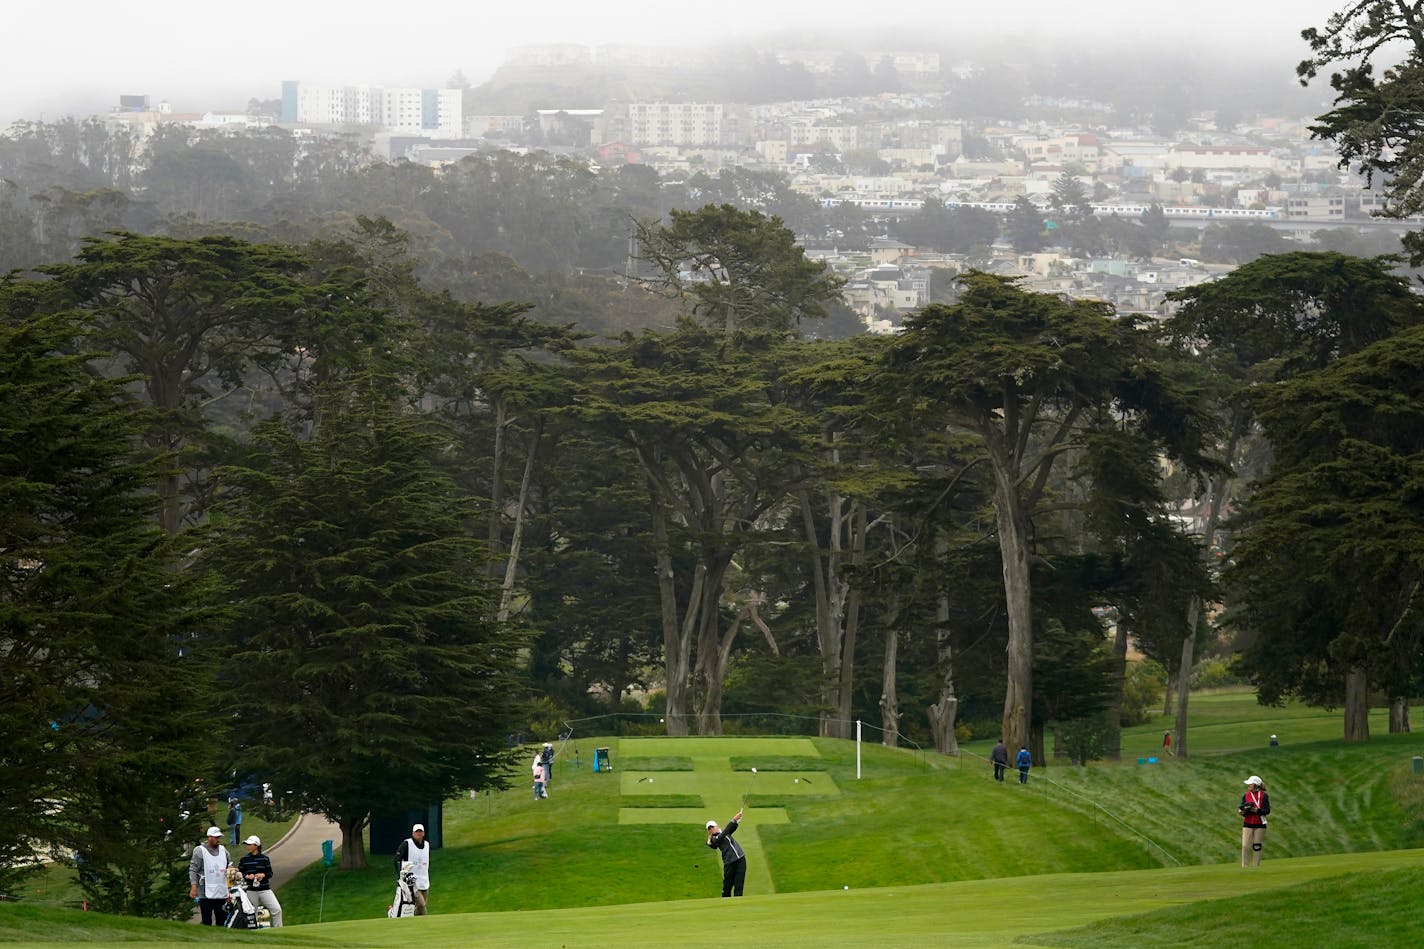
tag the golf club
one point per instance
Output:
(749, 788)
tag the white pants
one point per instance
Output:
(268, 899)
(1252, 840)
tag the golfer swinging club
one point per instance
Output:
(734, 858)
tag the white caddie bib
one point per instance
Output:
(214, 872)
(420, 863)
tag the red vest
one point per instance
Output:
(1253, 819)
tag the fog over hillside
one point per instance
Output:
(205, 56)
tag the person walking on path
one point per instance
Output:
(1000, 758)
(1166, 743)
(234, 819)
(1023, 760)
(1255, 805)
(734, 858)
(207, 876)
(539, 792)
(415, 850)
(256, 870)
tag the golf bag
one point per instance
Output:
(241, 914)
(404, 902)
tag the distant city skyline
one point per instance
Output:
(79, 58)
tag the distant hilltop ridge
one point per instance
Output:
(628, 55)
(579, 75)
(611, 55)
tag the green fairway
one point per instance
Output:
(887, 846)
(1281, 904)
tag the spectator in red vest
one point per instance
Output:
(1255, 805)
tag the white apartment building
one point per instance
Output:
(435, 113)
(1084, 149)
(1219, 157)
(690, 124)
(1316, 207)
(841, 138)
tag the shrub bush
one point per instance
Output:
(1142, 690)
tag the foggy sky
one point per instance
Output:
(79, 57)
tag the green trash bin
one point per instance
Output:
(1418, 765)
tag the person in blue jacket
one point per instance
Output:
(1024, 761)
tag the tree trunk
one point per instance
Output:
(837, 604)
(494, 529)
(1184, 678)
(1220, 491)
(712, 653)
(677, 641)
(1035, 747)
(942, 714)
(889, 696)
(1114, 750)
(851, 625)
(846, 686)
(1398, 715)
(1357, 705)
(1018, 596)
(511, 567)
(353, 842)
(825, 568)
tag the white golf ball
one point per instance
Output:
(845, 887)
(754, 771)
(795, 780)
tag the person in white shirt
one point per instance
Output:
(415, 850)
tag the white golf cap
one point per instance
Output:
(1252, 780)
(419, 827)
(547, 745)
(254, 839)
(213, 831)
(711, 824)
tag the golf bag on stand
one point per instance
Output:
(241, 914)
(404, 902)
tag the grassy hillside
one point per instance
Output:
(636, 835)
(918, 849)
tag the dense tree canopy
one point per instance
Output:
(1376, 120)
(1031, 376)
(373, 678)
(1329, 557)
(105, 723)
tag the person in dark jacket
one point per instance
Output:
(1255, 805)
(546, 758)
(1000, 759)
(1023, 761)
(234, 819)
(734, 858)
(256, 870)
